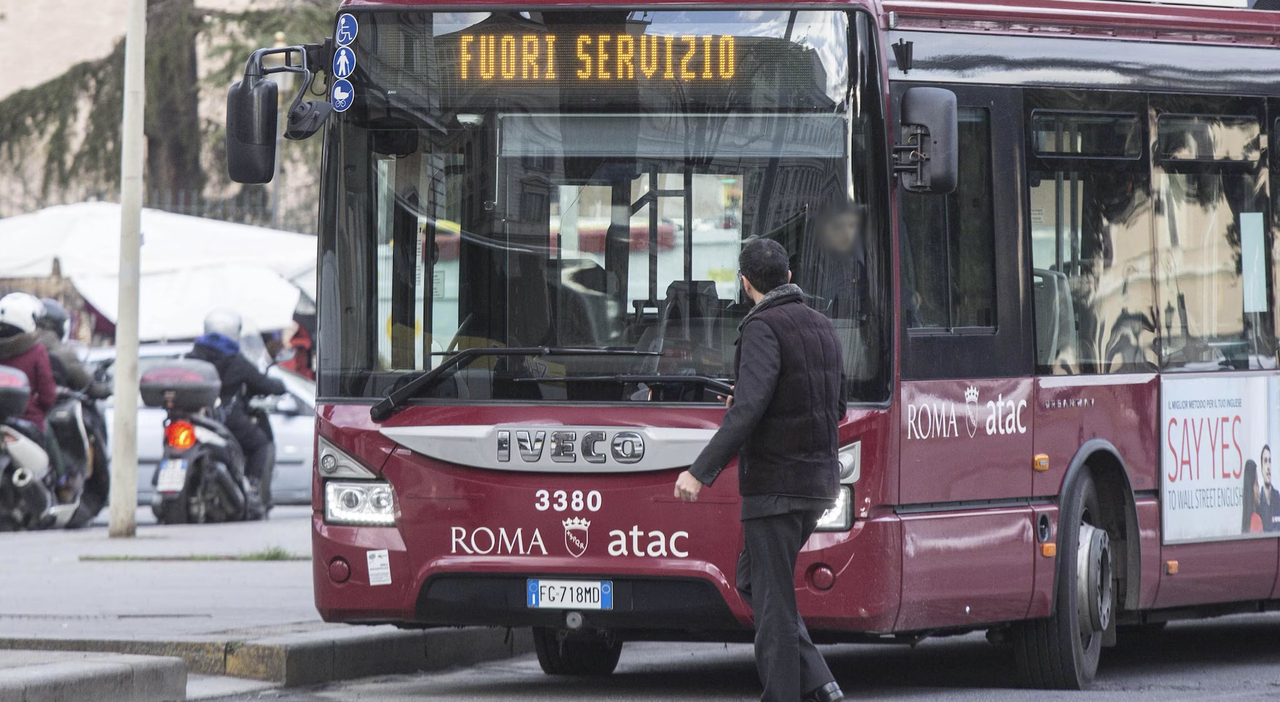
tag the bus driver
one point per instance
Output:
(833, 268)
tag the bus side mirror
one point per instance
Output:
(252, 104)
(927, 157)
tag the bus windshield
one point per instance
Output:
(586, 180)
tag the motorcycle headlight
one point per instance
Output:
(840, 517)
(364, 503)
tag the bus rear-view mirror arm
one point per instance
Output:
(253, 111)
(926, 158)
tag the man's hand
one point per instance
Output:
(727, 399)
(687, 487)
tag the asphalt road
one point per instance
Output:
(1235, 659)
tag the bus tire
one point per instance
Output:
(575, 655)
(1061, 652)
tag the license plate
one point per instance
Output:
(173, 475)
(570, 594)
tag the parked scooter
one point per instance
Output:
(24, 466)
(32, 494)
(201, 475)
(80, 432)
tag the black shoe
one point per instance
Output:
(827, 693)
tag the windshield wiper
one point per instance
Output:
(716, 384)
(395, 399)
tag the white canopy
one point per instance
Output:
(173, 304)
(190, 265)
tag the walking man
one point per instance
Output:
(781, 424)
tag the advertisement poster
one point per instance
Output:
(1216, 460)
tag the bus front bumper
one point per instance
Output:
(355, 582)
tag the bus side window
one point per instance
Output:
(1211, 233)
(948, 242)
(1090, 220)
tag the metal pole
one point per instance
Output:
(283, 81)
(124, 450)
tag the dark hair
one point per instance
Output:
(764, 263)
(1250, 482)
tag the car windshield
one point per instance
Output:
(587, 180)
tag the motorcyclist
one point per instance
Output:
(20, 348)
(52, 329)
(241, 380)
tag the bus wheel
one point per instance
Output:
(1062, 651)
(583, 655)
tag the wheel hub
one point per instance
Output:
(1093, 579)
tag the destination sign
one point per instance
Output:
(594, 57)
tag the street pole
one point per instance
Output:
(124, 449)
(282, 90)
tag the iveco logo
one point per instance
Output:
(564, 446)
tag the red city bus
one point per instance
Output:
(1042, 230)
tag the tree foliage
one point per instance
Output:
(62, 137)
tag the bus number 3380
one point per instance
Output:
(562, 501)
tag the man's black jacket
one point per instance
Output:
(788, 401)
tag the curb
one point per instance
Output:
(57, 677)
(310, 658)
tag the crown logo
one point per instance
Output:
(971, 394)
(576, 535)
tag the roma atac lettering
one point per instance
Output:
(597, 57)
(943, 419)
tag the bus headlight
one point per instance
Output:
(840, 517)
(851, 463)
(364, 503)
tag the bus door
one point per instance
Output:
(965, 417)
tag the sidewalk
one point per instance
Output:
(250, 618)
(26, 676)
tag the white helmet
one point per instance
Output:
(21, 310)
(223, 321)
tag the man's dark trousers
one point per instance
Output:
(789, 664)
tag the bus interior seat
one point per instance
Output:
(1055, 316)
(687, 301)
(691, 312)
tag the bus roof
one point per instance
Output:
(560, 4)
(1132, 20)
(1207, 22)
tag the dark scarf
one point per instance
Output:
(777, 296)
(17, 344)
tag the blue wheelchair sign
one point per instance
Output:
(348, 28)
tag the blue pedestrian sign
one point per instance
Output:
(342, 95)
(348, 28)
(344, 62)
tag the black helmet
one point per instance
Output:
(56, 318)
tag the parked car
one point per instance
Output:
(292, 422)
